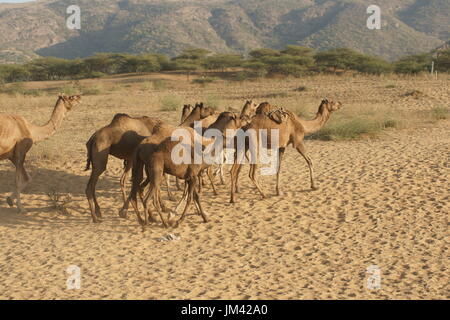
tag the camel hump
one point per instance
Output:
(119, 116)
(274, 113)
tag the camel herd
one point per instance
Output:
(146, 146)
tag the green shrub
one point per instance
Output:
(343, 129)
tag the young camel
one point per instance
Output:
(157, 159)
(164, 131)
(119, 139)
(292, 130)
(17, 136)
(185, 112)
(230, 121)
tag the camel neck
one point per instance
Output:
(317, 123)
(40, 133)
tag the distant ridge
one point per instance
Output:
(169, 26)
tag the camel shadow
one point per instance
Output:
(10, 218)
(45, 181)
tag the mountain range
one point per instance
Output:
(168, 26)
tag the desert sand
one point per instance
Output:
(381, 201)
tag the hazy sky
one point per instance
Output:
(15, 1)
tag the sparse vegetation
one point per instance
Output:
(440, 113)
(59, 202)
(170, 102)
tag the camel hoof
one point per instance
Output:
(314, 188)
(10, 202)
(123, 214)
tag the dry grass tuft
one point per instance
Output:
(59, 202)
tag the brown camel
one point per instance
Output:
(185, 112)
(292, 130)
(156, 157)
(230, 121)
(17, 136)
(164, 131)
(119, 139)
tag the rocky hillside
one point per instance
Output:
(168, 26)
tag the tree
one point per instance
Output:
(335, 59)
(222, 61)
(298, 51)
(13, 73)
(413, 64)
(264, 52)
(443, 61)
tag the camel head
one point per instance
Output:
(249, 108)
(69, 101)
(187, 109)
(331, 105)
(230, 120)
(203, 111)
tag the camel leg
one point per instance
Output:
(209, 173)
(190, 192)
(169, 193)
(22, 177)
(123, 179)
(252, 175)
(133, 200)
(177, 183)
(199, 206)
(234, 177)
(98, 167)
(183, 198)
(301, 149)
(280, 158)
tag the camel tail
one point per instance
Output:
(89, 145)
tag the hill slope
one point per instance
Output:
(169, 26)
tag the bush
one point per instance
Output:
(204, 81)
(349, 129)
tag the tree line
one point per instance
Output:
(293, 61)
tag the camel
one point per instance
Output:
(156, 157)
(119, 139)
(163, 131)
(230, 121)
(17, 136)
(185, 112)
(292, 130)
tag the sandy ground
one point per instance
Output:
(382, 202)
